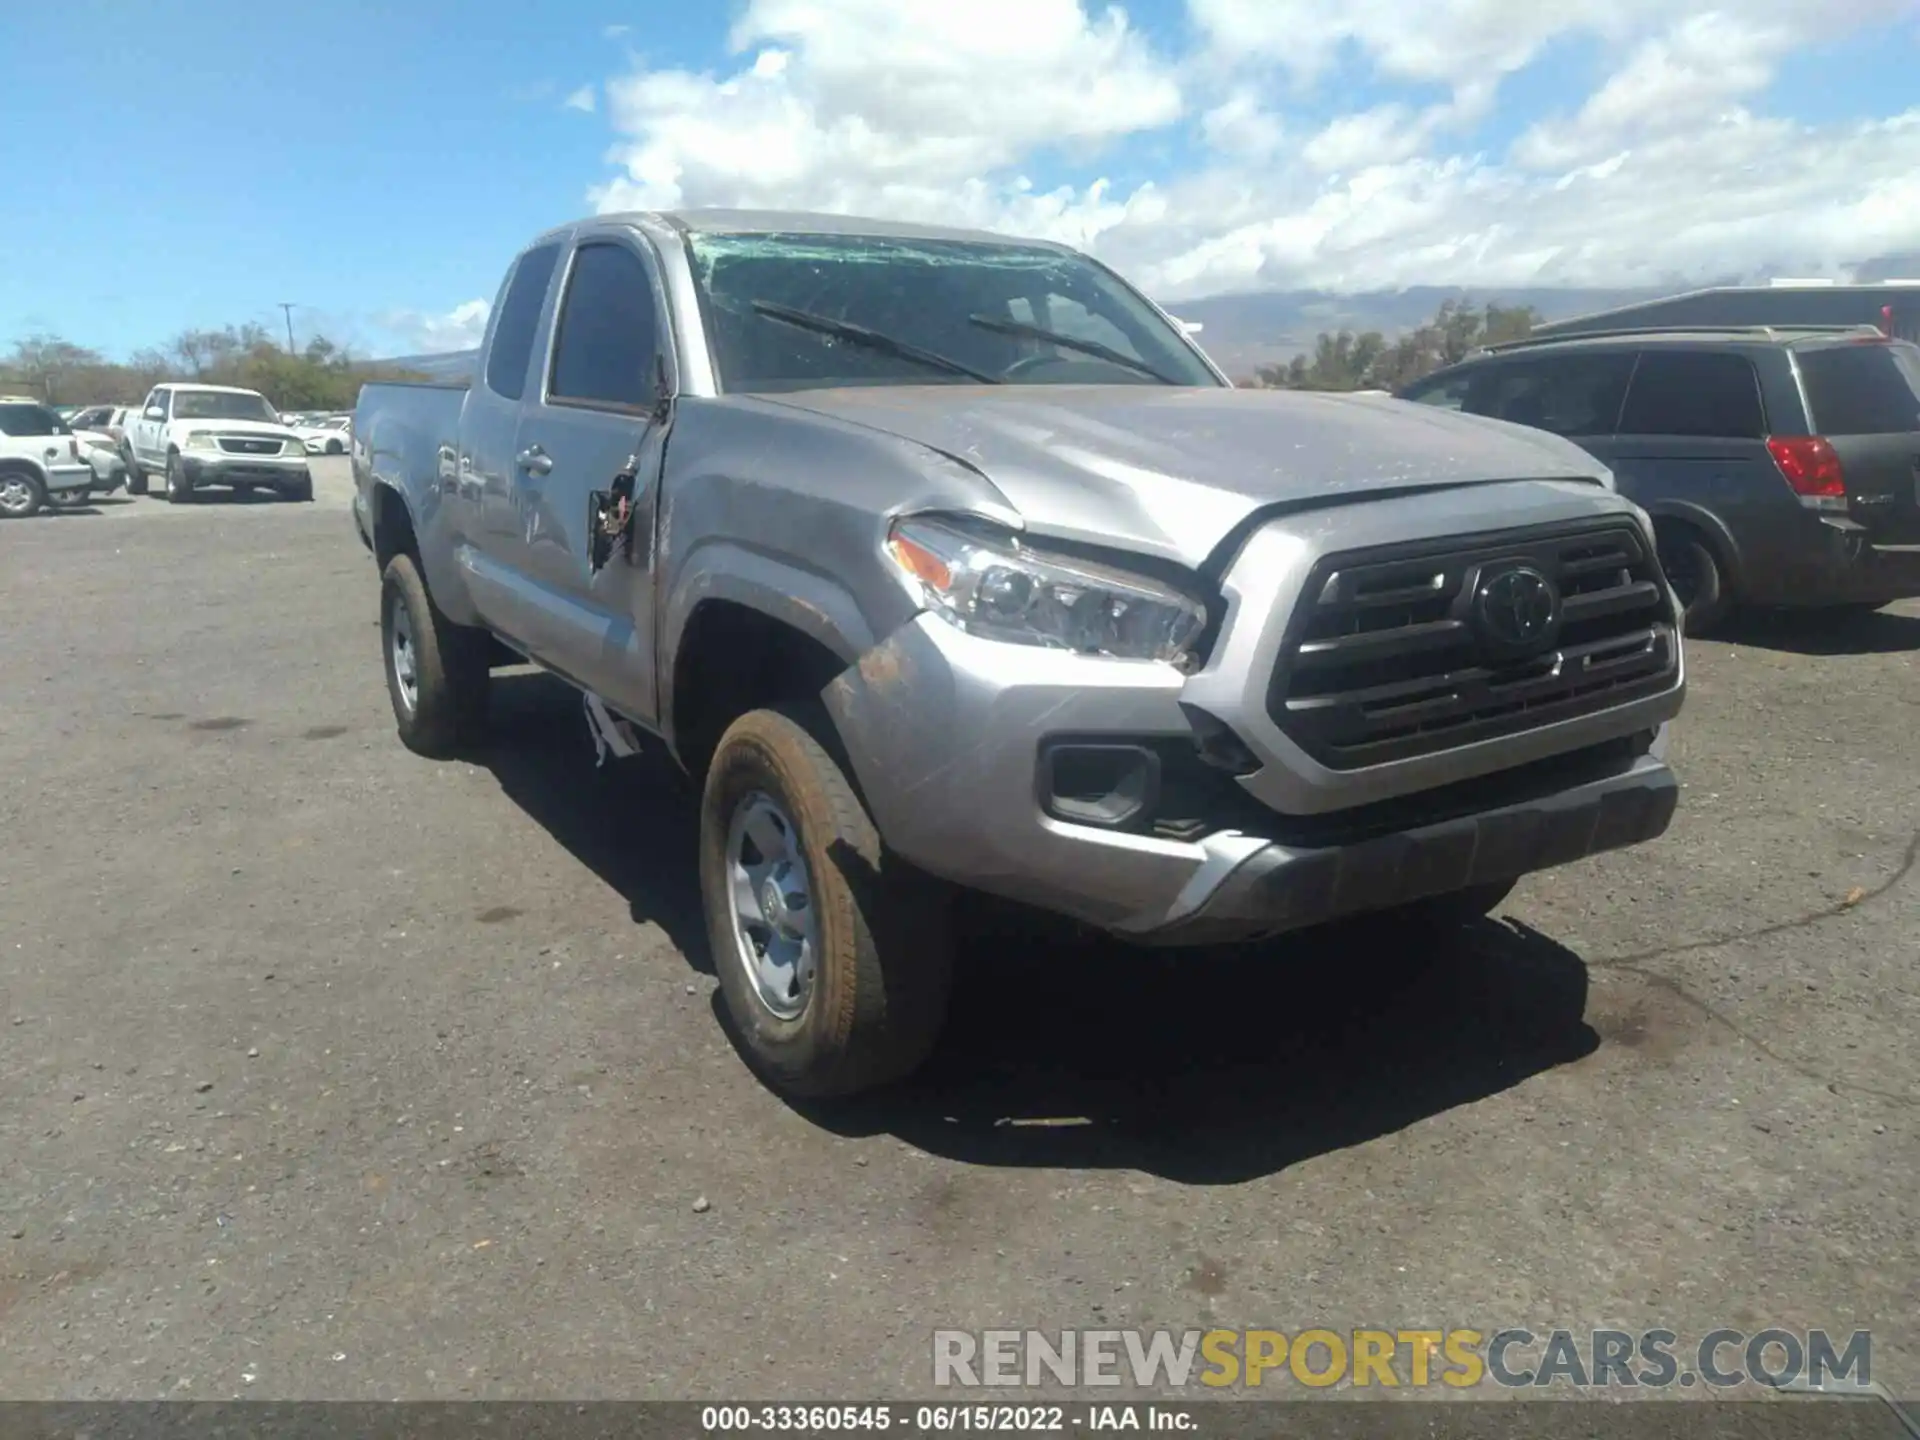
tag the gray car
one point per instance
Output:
(945, 560)
(1781, 466)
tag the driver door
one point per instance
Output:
(147, 433)
(593, 410)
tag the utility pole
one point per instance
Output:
(287, 305)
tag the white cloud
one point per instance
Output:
(875, 105)
(581, 99)
(430, 334)
(1243, 127)
(1666, 168)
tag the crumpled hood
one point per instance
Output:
(1172, 470)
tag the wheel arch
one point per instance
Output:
(737, 649)
(1726, 550)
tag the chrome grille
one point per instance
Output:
(1390, 655)
(249, 445)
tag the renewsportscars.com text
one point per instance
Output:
(1513, 1358)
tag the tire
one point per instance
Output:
(881, 952)
(1695, 573)
(334, 447)
(436, 670)
(136, 479)
(179, 487)
(22, 494)
(300, 490)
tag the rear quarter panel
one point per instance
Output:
(406, 448)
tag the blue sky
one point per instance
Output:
(378, 163)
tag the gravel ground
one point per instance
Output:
(333, 1072)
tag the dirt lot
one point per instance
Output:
(333, 1072)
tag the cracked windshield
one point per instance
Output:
(824, 715)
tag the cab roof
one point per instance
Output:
(811, 222)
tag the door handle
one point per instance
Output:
(534, 460)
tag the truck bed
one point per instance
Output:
(402, 429)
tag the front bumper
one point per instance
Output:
(945, 732)
(268, 470)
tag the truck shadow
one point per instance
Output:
(1062, 1049)
(632, 823)
(1220, 1066)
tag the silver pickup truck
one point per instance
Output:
(942, 559)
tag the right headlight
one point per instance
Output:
(294, 446)
(1001, 588)
(200, 440)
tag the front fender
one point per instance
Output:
(812, 603)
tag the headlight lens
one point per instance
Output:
(295, 446)
(201, 440)
(1001, 589)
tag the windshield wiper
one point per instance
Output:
(1070, 342)
(872, 339)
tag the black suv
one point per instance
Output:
(1781, 466)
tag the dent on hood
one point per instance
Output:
(1175, 472)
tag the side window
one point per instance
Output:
(608, 333)
(1693, 394)
(1863, 389)
(1571, 395)
(158, 401)
(519, 318)
(1449, 393)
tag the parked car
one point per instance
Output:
(92, 417)
(40, 459)
(1781, 467)
(325, 435)
(964, 562)
(104, 456)
(117, 422)
(203, 435)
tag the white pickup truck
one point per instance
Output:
(202, 435)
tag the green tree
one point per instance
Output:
(1342, 360)
(324, 377)
(50, 366)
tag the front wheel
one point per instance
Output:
(136, 478)
(21, 494)
(179, 487)
(437, 675)
(301, 489)
(835, 964)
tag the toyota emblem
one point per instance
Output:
(1517, 608)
